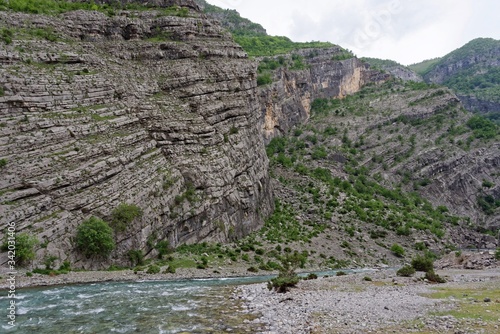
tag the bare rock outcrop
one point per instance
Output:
(287, 101)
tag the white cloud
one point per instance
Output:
(406, 31)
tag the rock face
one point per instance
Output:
(395, 69)
(287, 101)
(475, 104)
(141, 108)
(457, 62)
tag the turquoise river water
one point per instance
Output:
(184, 306)
(192, 306)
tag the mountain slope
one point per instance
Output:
(473, 72)
(394, 68)
(380, 168)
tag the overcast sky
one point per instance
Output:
(407, 31)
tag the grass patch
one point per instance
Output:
(471, 302)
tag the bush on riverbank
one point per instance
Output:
(421, 263)
(406, 271)
(287, 277)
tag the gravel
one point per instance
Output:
(348, 304)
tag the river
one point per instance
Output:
(183, 306)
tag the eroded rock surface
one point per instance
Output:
(141, 108)
(287, 101)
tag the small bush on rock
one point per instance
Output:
(311, 276)
(287, 277)
(153, 269)
(406, 271)
(398, 250)
(123, 215)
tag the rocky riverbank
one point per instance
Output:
(375, 302)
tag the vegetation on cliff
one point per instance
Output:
(472, 71)
(54, 7)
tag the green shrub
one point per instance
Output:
(264, 45)
(252, 269)
(420, 246)
(94, 237)
(287, 277)
(421, 263)
(153, 269)
(264, 79)
(259, 251)
(25, 244)
(6, 34)
(482, 127)
(311, 276)
(136, 257)
(433, 277)
(123, 215)
(49, 260)
(367, 279)
(163, 248)
(497, 254)
(170, 269)
(341, 273)
(66, 265)
(3, 163)
(398, 250)
(406, 271)
(283, 283)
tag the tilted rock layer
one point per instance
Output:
(140, 108)
(287, 101)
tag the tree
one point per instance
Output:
(25, 244)
(287, 277)
(94, 237)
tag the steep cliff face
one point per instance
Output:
(286, 102)
(142, 108)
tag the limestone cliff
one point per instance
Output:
(287, 101)
(143, 107)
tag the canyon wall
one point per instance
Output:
(159, 111)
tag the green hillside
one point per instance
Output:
(252, 36)
(425, 67)
(472, 71)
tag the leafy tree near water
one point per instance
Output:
(25, 244)
(94, 237)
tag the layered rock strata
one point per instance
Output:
(141, 108)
